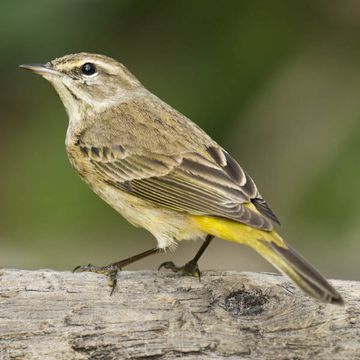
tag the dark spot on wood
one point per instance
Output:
(246, 302)
(83, 345)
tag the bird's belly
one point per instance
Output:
(166, 225)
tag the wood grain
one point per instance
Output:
(160, 315)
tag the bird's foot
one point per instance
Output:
(190, 269)
(110, 271)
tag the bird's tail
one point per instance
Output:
(273, 248)
(292, 264)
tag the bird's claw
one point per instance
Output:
(190, 269)
(109, 270)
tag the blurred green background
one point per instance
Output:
(277, 83)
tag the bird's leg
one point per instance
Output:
(112, 269)
(191, 267)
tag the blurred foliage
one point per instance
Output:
(276, 83)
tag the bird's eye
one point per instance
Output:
(88, 69)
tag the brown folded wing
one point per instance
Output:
(201, 184)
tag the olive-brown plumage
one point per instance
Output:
(160, 170)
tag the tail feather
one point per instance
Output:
(292, 264)
(273, 248)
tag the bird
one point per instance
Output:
(162, 172)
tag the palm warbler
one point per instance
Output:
(162, 172)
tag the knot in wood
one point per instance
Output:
(246, 302)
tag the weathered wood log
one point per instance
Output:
(160, 315)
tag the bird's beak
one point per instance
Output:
(41, 69)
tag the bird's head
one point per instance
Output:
(84, 79)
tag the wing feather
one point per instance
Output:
(150, 154)
(192, 182)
